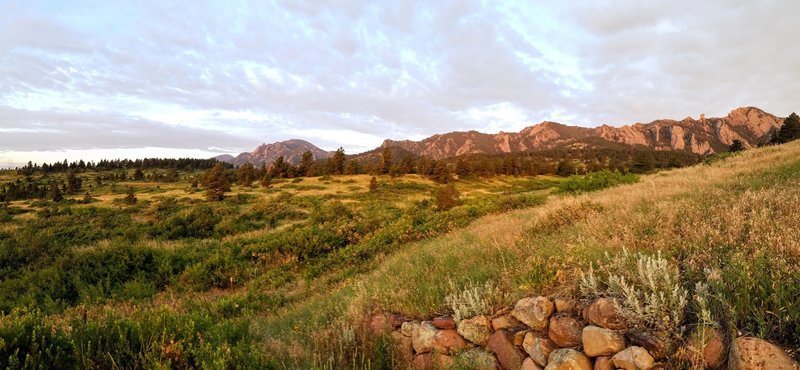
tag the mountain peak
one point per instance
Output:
(291, 150)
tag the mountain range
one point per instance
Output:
(750, 125)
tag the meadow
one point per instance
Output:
(286, 276)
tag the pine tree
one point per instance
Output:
(138, 175)
(266, 180)
(790, 130)
(337, 162)
(216, 183)
(55, 192)
(246, 174)
(279, 169)
(130, 196)
(306, 164)
(387, 160)
(736, 146)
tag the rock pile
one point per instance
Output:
(540, 333)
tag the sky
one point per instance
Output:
(151, 78)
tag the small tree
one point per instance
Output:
(130, 197)
(138, 175)
(736, 146)
(373, 185)
(55, 192)
(216, 183)
(87, 198)
(266, 181)
(446, 197)
(246, 174)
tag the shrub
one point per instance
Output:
(472, 300)
(596, 181)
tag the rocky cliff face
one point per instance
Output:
(700, 136)
(291, 150)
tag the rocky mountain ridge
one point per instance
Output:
(750, 125)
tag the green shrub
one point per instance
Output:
(596, 181)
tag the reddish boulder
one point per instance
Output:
(444, 322)
(509, 356)
(605, 313)
(448, 341)
(565, 331)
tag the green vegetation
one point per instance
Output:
(284, 275)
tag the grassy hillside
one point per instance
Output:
(105, 284)
(731, 224)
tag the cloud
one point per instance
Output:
(235, 76)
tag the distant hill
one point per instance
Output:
(291, 150)
(750, 125)
(700, 136)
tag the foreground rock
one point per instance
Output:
(534, 312)
(603, 363)
(422, 337)
(476, 330)
(568, 359)
(428, 361)
(528, 364)
(605, 313)
(598, 341)
(478, 359)
(505, 322)
(502, 345)
(657, 347)
(755, 354)
(444, 322)
(565, 331)
(448, 341)
(538, 348)
(633, 358)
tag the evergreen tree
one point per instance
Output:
(55, 192)
(138, 175)
(266, 180)
(387, 160)
(279, 169)
(736, 146)
(130, 196)
(216, 183)
(306, 164)
(246, 174)
(337, 162)
(790, 130)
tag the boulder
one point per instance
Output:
(538, 348)
(605, 313)
(714, 351)
(564, 305)
(529, 364)
(429, 361)
(448, 341)
(598, 341)
(568, 359)
(534, 312)
(407, 327)
(603, 363)
(657, 347)
(519, 334)
(748, 353)
(478, 359)
(505, 322)
(476, 330)
(422, 337)
(444, 322)
(501, 344)
(633, 358)
(565, 331)
(405, 348)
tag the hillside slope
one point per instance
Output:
(731, 224)
(750, 125)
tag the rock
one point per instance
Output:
(657, 347)
(564, 305)
(476, 330)
(380, 324)
(601, 342)
(603, 363)
(505, 322)
(568, 359)
(432, 361)
(448, 341)
(529, 364)
(396, 320)
(510, 357)
(565, 331)
(538, 348)
(519, 335)
(407, 327)
(444, 322)
(534, 312)
(422, 337)
(478, 359)
(749, 353)
(405, 348)
(714, 351)
(605, 313)
(633, 358)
